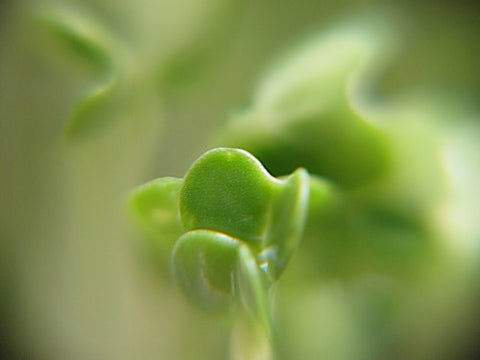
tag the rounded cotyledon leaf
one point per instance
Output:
(155, 209)
(203, 263)
(212, 268)
(229, 191)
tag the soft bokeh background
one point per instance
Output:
(73, 280)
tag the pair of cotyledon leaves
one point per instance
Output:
(237, 227)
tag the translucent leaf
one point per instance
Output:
(155, 208)
(252, 289)
(287, 220)
(204, 263)
(212, 268)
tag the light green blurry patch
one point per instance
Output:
(84, 36)
(155, 210)
(306, 111)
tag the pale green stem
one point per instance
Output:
(249, 340)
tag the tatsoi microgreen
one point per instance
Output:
(240, 224)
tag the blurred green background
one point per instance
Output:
(74, 282)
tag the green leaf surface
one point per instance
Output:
(203, 263)
(155, 207)
(229, 191)
(286, 223)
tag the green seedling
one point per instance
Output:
(240, 227)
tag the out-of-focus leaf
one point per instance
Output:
(193, 62)
(90, 42)
(306, 112)
(92, 112)
(317, 74)
(80, 33)
(155, 207)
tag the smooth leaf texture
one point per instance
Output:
(213, 268)
(155, 205)
(286, 223)
(203, 263)
(155, 208)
